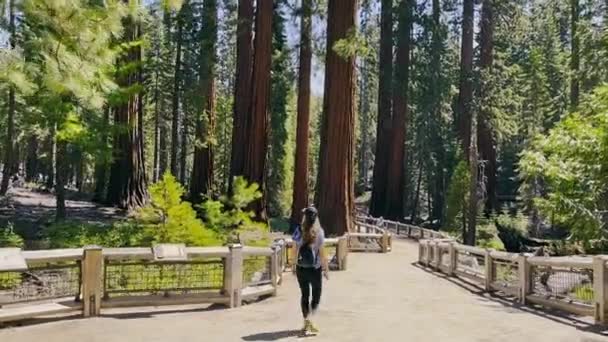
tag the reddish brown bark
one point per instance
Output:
(177, 79)
(202, 169)
(575, 58)
(300, 181)
(396, 166)
(254, 166)
(242, 95)
(486, 143)
(335, 186)
(9, 153)
(465, 96)
(378, 200)
(127, 187)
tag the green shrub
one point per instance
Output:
(457, 197)
(168, 219)
(74, 234)
(8, 238)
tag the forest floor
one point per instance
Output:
(380, 297)
(29, 211)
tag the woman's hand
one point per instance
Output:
(326, 274)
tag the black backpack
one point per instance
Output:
(306, 256)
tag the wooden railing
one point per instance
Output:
(576, 285)
(90, 279)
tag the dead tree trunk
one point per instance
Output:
(335, 186)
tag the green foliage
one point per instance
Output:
(229, 216)
(8, 238)
(167, 218)
(458, 197)
(571, 164)
(353, 45)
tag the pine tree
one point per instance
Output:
(465, 96)
(9, 153)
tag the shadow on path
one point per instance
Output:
(149, 314)
(511, 302)
(274, 336)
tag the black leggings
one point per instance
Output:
(309, 278)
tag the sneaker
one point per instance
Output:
(312, 328)
(307, 325)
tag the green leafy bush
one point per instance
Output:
(565, 173)
(457, 197)
(8, 238)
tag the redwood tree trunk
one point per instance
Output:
(396, 166)
(300, 179)
(127, 188)
(242, 95)
(254, 166)
(101, 166)
(9, 149)
(61, 166)
(486, 138)
(202, 169)
(335, 186)
(32, 164)
(176, 97)
(383, 129)
(575, 54)
(465, 96)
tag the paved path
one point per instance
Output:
(380, 298)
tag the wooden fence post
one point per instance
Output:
(420, 252)
(385, 242)
(489, 270)
(409, 232)
(437, 255)
(524, 277)
(274, 269)
(600, 292)
(233, 274)
(342, 252)
(92, 270)
(428, 253)
(453, 259)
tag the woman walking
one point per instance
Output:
(311, 265)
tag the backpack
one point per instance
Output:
(306, 256)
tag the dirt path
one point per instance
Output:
(380, 298)
(29, 211)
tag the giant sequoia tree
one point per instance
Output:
(202, 168)
(465, 95)
(396, 164)
(486, 140)
(9, 155)
(335, 186)
(379, 186)
(254, 163)
(300, 178)
(127, 188)
(242, 96)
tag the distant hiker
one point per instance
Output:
(311, 265)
